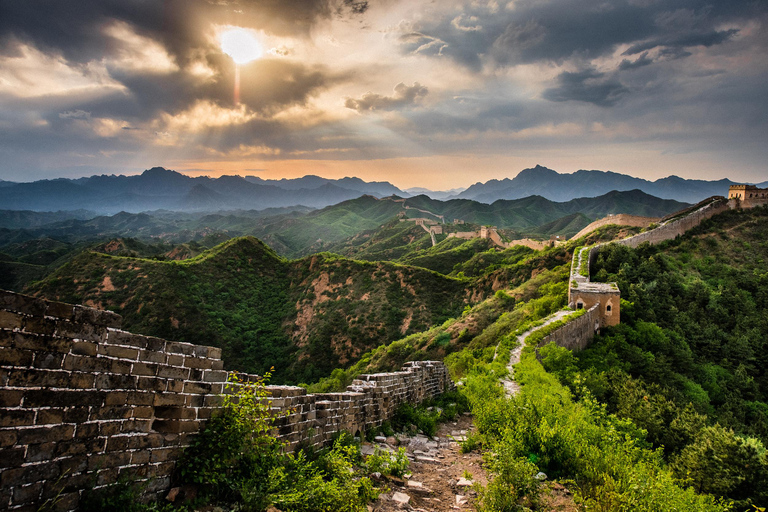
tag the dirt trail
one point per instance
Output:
(438, 471)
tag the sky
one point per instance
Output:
(432, 93)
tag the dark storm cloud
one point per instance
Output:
(403, 97)
(587, 86)
(641, 61)
(559, 30)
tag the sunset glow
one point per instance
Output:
(240, 44)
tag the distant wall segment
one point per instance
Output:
(82, 401)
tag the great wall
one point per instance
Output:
(85, 403)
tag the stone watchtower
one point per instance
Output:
(748, 196)
(583, 294)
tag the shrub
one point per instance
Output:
(386, 463)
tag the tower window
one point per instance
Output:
(579, 305)
(608, 308)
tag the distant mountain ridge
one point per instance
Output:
(159, 188)
(559, 187)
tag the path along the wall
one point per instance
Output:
(84, 402)
(578, 333)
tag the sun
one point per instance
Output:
(241, 44)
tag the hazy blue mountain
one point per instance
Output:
(564, 187)
(435, 194)
(159, 188)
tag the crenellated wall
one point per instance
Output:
(576, 334)
(83, 402)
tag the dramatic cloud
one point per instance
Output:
(122, 85)
(404, 96)
(588, 86)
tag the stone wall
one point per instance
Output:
(576, 334)
(84, 403)
(621, 219)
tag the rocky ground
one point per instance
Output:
(441, 478)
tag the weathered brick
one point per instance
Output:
(54, 434)
(112, 413)
(117, 337)
(59, 310)
(200, 351)
(10, 320)
(214, 352)
(110, 428)
(144, 369)
(170, 412)
(87, 332)
(121, 367)
(7, 437)
(110, 381)
(40, 452)
(175, 360)
(150, 356)
(29, 341)
(140, 457)
(112, 460)
(116, 398)
(151, 440)
(196, 375)
(143, 412)
(197, 387)
(62, 398)
(194, 400)
(49, 416)
(11, 398)
(140, 398)
(84, 348)
(48, 360)
(173, 372)
(215, 376)
(37, 378)
(78, 380)
(151, 384)
(39, 325)
(164, 454)
(174, 347)
(175, 385)
(87, 430)
(13, 457)
(119, 352)
(171, 399)
(21, 303)
(97, 317)
(117, 443)
(15, 357)
(74, 464)
(156, 344)
(217, 364)
(23, 495)
(136, 425)
(16, 418)
(175, 426)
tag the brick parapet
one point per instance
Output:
(83, 402)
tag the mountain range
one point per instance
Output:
(159, 188)
(554, 186)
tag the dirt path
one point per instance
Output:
(439, 473)
(510, 386)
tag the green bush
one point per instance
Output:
(386, 463)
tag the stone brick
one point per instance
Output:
(79, 380)
(151, 384)
(49, 416)
(86, 364)
(197, 387)
(15, 357)
(215, 376)
(13, 457)
(164, 454)
(178, 413)
(56, 433)
(84, 348)
(40, 452)
(149, 356)
(11, 398)
(143, 412)
(156, 344)
(198, 363)
(29, 341)
(108, 381)
(169, 399)
(10, 320)
(62, 398)
(7, 437)
(173, 372)
(144, 369)
(140, 398)
(39, 325)
(136, 425)
(21, 303)
(112, 413)
(140, 457)
(96, 317)
(48, 360)
(117, 337)
(85, 430)
(214, 352)
(175, 360)
(16, 418)
(60, 310)
(12, 477)
(119, 352)
(37, 378)
(27, 494)
(194, 400)
(174, 347)
(151, 440)
(175, 426)
(117, 443)
(217, 364)
(175, 386)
